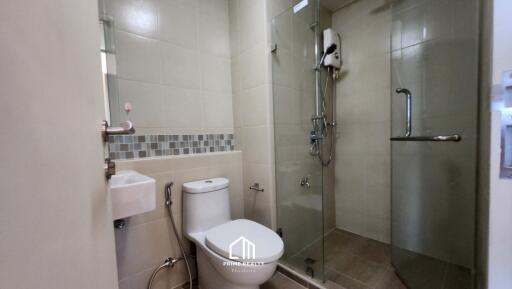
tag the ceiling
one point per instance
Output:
(334, 5)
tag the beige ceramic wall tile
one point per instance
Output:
(252, 109)
(363, 164)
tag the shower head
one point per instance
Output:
(330, 50)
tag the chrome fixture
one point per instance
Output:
(120, 224)
(408, 109)
(273, 47)
(453, 137)
(256, 187)
(168, 263)
(408, 124)
(110, 168)
(304, 182)
(506, 143)
(319, 120)
(328, 51)
(168, 204)
(126, 128)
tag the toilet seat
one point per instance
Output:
(229, 238)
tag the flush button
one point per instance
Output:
(208, 181)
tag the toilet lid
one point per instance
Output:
(245, 241)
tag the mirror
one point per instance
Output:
(167, 69)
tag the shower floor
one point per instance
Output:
(355, 262)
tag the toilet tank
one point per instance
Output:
(205, 204)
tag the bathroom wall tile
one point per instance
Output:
(236, 74)
(182, 108)
(151, 238)
(147, 100)
(283, 68)
(252, 29)
(180, 66)
(282, 30)
(214, 28)
(257, 144)
(253, 66)
(140, 17)
(255, 106)
(277, 7)
(234, 27)
(412, 27)
(364, 99)
(250, 72)
(137, 57)
(215, 73)
(288, 97)
(217, 111)
(178, 22)
(378, 229)
(258, 211)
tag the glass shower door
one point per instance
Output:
(298, 173)
(435, 57)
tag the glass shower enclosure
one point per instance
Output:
(298, 173)
(434, 129)
(434, 100)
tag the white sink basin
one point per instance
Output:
(132, 193)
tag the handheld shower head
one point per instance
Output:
(168, 192)
(330, 50)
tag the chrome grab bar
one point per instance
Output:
(408, 110)
(256, 187)
(126, 128)
(453, 138)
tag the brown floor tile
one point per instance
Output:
(353, 261)
(375, 251)
(349, 283)
(331, 285)
(279, 281)
(390, 281)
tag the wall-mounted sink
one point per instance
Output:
(132, 193)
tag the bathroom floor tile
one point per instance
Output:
(279, 281)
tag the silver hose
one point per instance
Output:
(333, 123)
(168, 203)
(170, 262)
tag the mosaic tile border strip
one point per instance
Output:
(148, 146)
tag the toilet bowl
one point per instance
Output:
(231, 254)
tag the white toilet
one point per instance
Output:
(239, 254)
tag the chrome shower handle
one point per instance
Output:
(408, 110)
(305, 182)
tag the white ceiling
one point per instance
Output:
(334, 5)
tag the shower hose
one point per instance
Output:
(170, 262)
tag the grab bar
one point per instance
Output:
(453, 138)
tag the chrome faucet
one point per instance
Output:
(305, 182)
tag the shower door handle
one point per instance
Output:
(408, 110)
(439, 138)
(408, 124)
